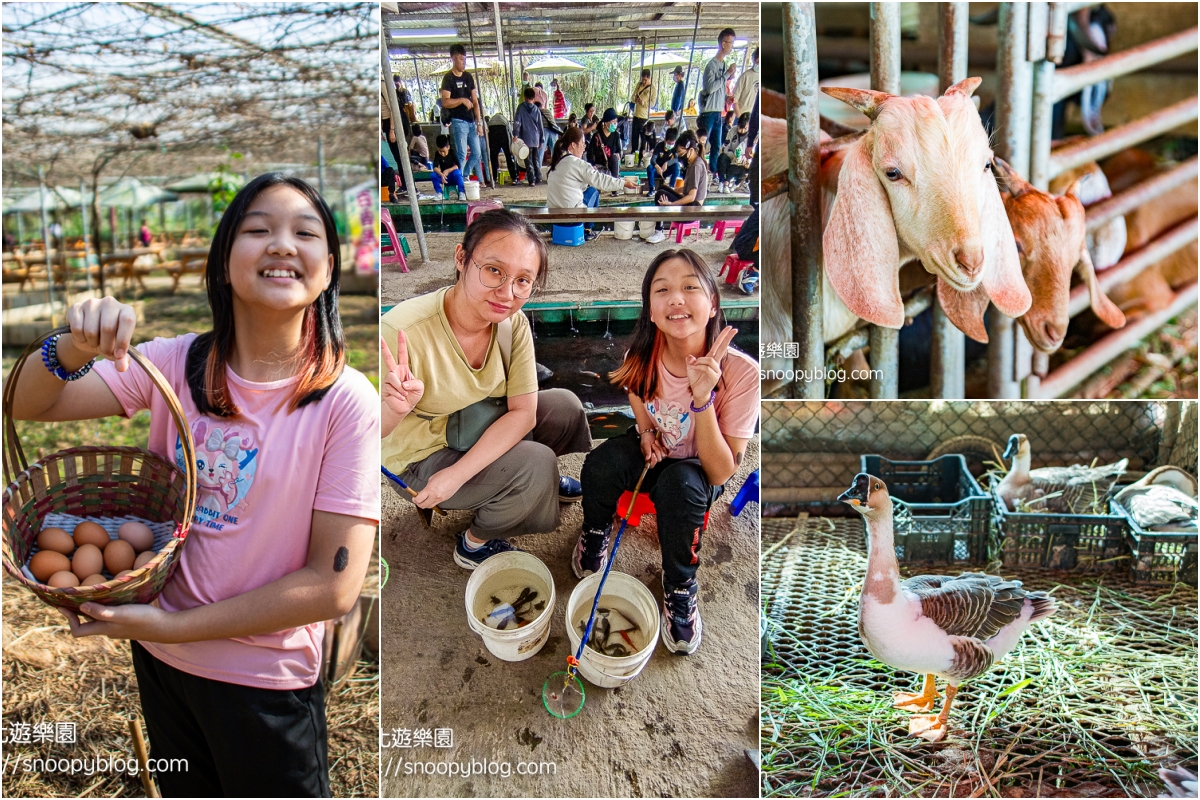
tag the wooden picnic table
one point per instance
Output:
(123, 264)
(188, 260)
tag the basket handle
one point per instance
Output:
(14, 456)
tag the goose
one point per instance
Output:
(955, 628)
(1163, 500)
(1075, 489)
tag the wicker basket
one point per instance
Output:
(1159, 556)
(98, 482)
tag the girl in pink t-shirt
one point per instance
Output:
(696, 405)
(287, 437)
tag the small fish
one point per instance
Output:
(616, 651)
(590, 374)
(610, 426)
(539, 606)
(625, 636)
(495, 600)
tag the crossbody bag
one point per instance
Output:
(464, 428)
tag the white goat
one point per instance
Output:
(918, 185)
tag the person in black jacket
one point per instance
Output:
(605, 152)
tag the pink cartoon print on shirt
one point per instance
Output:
(672, 419)
(226, 462)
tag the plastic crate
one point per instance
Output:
(1094, 542)
(941, 515)
(1157, 556)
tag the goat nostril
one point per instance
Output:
(1052, 333)
(969, 259)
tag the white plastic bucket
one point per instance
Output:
(624, 229)
(504, 575)
(645, 229)
(472, 190)
(630, 159)
(629, 596)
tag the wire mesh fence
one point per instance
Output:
(811, 450)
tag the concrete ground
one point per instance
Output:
(679, 729)
(605, 269)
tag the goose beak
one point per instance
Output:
(856, 495)
(1011, 450)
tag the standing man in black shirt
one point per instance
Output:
(460, 102)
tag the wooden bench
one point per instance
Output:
(643, 213)
(189, 261)
(123, 264)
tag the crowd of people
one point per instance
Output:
(579, 155)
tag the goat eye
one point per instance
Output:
(892, 174)
(987, 167)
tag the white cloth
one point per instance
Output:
(567, 182)
(747, 90)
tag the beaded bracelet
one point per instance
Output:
(50, 359)
(711, 399)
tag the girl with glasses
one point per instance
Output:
(456, 348)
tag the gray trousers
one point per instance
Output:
(518, 492)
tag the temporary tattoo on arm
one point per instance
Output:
(340, 559)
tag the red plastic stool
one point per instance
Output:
(732, 268)
(644, 505)
(684, 229)
(720, 226)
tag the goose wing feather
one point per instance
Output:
(973, 604)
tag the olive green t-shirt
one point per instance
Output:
(451, 384)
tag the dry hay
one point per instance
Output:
(1090, 704)
(50, 677)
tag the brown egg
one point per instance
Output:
(144, 559)
(47, 562)
(63, 579)
(88, 560)
(92, 580)
(118, 555)
(56, 539)
(88, 532)
(137, 534)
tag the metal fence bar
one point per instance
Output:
(389, 89)
(1123, 202)
(1131, 265)
(1070, 80)
(1120, 138)
(804, 191)
(947, 362)
(1072, 373)
(885, 77)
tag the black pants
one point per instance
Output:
(727, 170)
(614, 165)
(238, 741)
(533, 168)
(497, 144)
(643, 131)
(386, 126)
(677, 486)
(671, 196)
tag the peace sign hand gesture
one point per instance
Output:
(704, 372)
(401, 390)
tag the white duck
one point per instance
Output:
(1163, 500)
(1066, 490)
(954, 628)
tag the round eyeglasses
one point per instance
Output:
(493, 277)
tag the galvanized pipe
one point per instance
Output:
(1042, 124)
(1125, 136)
(1072, 373)
(1131, 265)
(1142, 192)
(1039, 28)
(804, 192)
(389, 91)
(500, 55)
(947, 361)
(1070, 80)
(1056, 33)
(885, 77)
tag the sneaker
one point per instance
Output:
(589, 236)
(470, 559)
(591, 552)
(569, 489)
(658, 236)
(721, 189)
(681, 627)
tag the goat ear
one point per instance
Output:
(1009, 178)
(1073, 189)
(1104, 308)
(965, 309)
(865, 100)
(862, 254)
(965, 87)
(1002, 279)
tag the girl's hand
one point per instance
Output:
(631, 183)
(663, 201)
(135, 621)
(653, 450)
(401, 390)
(103, 328)
(704, 372)
(441, 486)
